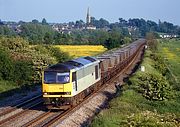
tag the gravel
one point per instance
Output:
(17, 98)
(24, 118)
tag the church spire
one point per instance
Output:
(88, 18)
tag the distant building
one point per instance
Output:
(89, 26)
(168, 36)
(88, 17)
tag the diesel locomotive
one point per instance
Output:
(66, 84)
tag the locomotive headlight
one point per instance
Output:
(68, 93)
(45, 93)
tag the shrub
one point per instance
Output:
(154, 87)
(6, 65)
(159, 64)
(151, 41)
(13, 43)
(23, 72)
(19, 72)
(58, 54)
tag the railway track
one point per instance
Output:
(14, 107)
(44, 120)
(39, 119)
(23, 107)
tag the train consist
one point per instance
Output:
(66, 84)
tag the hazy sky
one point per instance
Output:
(72, 10)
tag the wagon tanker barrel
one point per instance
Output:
(105, 63)
(116, 56)
(132, 49)
(122, 54)
(111, 60)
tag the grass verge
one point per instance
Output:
(131, 108)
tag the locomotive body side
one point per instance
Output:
(63, 82)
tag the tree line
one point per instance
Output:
(107, 33)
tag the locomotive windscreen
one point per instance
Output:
(51, 77)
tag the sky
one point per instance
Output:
(60, 11)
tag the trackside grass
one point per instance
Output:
(170, 49)
(6, 85)
(76, 51)
(131, 109)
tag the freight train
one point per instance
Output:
(66, 84)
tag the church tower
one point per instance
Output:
(88, 18)
(89, 25)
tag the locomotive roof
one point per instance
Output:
(62, 67)
(72, 64)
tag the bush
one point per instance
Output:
(154, 87)
(13, 43)
(159, 64)
(19, 72)
(6, 65)
(23, 72)
(58, 54)
(151, 41)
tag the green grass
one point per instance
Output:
(6, 86)
(9, 88)
(170, 49)
(132, 109)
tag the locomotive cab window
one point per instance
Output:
(74, 79)
(56, 77)
(96, 72)
(74, 76)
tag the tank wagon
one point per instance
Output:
(66, 84)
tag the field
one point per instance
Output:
(170, 49)
(131, 109)
(76, 51)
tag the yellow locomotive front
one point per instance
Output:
(57, 85)
(65, 84)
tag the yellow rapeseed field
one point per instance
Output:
(82, 50)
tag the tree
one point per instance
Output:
(151, 41)
(114, 40)
(23, 72)
(1, 23)
(35, 21)
(79, 24)
(122, 22)
(35, 33)
(4, 30)
(127, 40)
(103, 23)
(6, 65)
(48, 38)
(44, 22)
